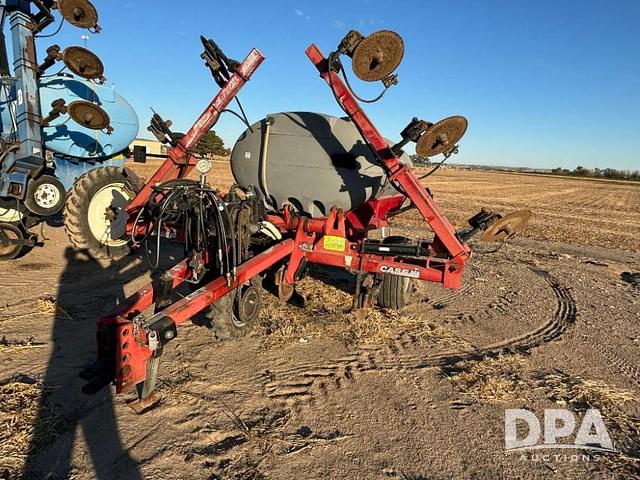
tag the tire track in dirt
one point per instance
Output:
(449, 296)
(452, 295)
(632, 372)
(500, 306)
(305, 382)
(328, 373)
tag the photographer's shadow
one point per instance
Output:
(86, 290)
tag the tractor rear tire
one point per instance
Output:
(395, 291)
(94, 214)
(234, 315)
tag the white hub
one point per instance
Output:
(107, 215)
(47, 195)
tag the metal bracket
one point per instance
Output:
(411, 133)
(349, 43)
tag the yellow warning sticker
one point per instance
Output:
(337, 244)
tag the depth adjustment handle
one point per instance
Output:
(479, 222)
(221, 66)
(53, 55)
(349, 43)
(160, 129)
(58, 107)
(43, 18)
(411, 133)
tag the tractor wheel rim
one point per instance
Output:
(107, 215)
(46, 195)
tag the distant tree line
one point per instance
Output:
(418, 160)
(613, 173)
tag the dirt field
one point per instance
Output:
(550, 320)
(572, 210)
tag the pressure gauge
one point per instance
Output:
(203, 166)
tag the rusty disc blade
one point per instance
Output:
(377, 55)
(80, 13)
(83, 62)
(506, 227)
(88, 114)
(442, 136)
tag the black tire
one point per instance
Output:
(45, 196)
(12, 232)
(80, 204)
(223, 314)
(395, 291)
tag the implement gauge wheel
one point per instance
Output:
(95, 212)
(234, 315)
(9, 251)
(395, 291)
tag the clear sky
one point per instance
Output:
(543, 84)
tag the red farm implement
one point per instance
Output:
(235, 238)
